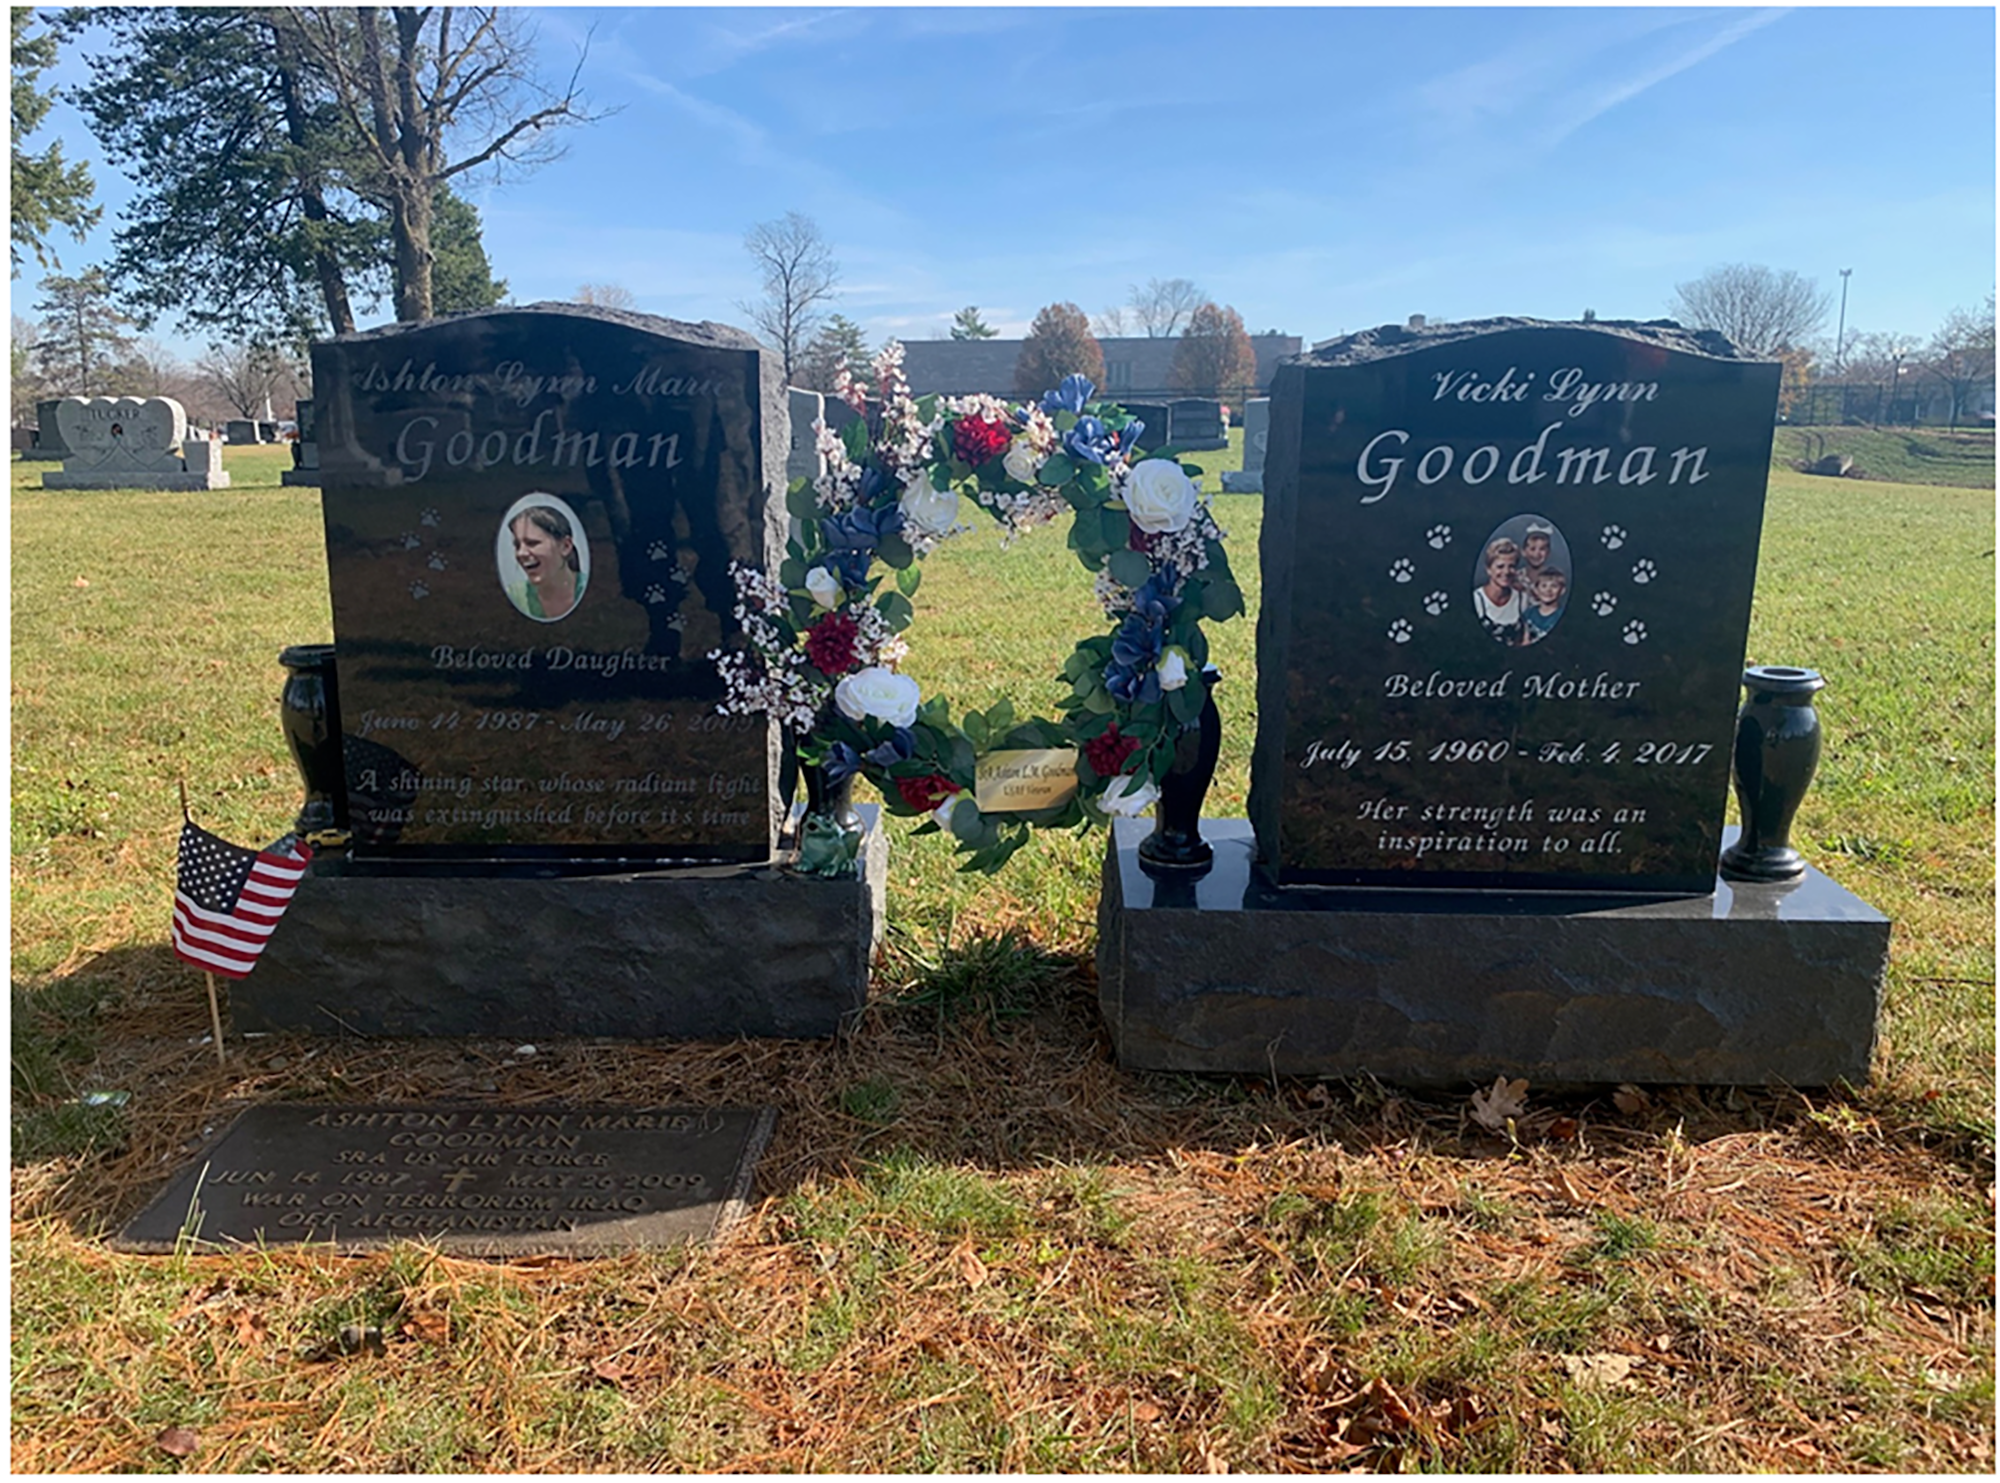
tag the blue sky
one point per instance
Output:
(1321, 170)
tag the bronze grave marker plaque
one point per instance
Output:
(480, 1181)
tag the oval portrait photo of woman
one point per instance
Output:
(543, 557)
(1521, 582)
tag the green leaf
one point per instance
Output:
(927, 406)
(1056, 469)
(974, 727)
(907, 579)
(1001, 716)
(1221, 599)
(1130, 568)
(792, 572)
(897, 609)
(1186, 702)
(895, 551)
(968, 824)
(854, 438)
(1116, 527)
(800, 501)
(1064, 420)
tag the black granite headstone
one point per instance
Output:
(1159, 423)
(530, 519)
(1436, 707)
(1197, 423)
(476, 1180)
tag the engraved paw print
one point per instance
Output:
(1635, 632)
(429, 517)
(1643, 571)
(678, 623)
(656, 593)
(409, 540)
(1439, 537)
(1400, 631)
(659, 551)
(1436, 603)
(419, 591)
(436, 563)
(1402, 569)
(1602, 604)
(1613, 537)
(678, 576)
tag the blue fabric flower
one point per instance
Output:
(840, 763)
(1076, 389)
(1128, 436)
(1091, 439)
(873, 482)
(852, 538)
(1158, 596)
(900, 747)
(1132, 685)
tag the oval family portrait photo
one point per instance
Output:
(543, 557)
(1522, 581)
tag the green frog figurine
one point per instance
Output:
(826, 850)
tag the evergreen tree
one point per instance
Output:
(1214, 357)
(461, 278)
(239, 225)
(47, 191)
(838, 343)
(83, 340)
(1059, 344)
(967, 325)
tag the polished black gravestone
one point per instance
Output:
(1750, 984)
(1486, 837)
(1507, 578)
(479, 1181)
(1198, 424)
(531, 517)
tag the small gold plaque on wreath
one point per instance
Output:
(1025, 780)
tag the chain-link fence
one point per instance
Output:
(1912, 403)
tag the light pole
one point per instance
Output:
(1840, 335)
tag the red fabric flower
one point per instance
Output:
(975, 439)
(1108, 753)
(830, 644)
(926, 793)
(1143, 540)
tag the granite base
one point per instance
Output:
(300, 476)
(135, 479)
(1754, 985)
(1243, 482)
(690, 953)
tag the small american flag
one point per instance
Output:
(228, 899)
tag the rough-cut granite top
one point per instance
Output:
(1395, 339)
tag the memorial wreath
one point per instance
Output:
(825, 636)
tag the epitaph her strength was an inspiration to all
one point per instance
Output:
(530, 518)
(1507, 580)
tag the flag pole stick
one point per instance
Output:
(215, 1018)
(214, 1007)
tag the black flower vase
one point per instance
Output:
(1176, 842)
(309, 711)
(831, 800)
(1777, 751)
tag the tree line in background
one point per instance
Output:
(1867, 376)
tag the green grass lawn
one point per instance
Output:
(979, 1245)
(1904, 455)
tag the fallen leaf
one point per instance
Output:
(1505, 1099)
(610, 1371)
(179, 1441)
(1145, 1411)
(1599, 1369)
(1629, 1099)
(432, 1325)
(251, 1329)
(85, 582)
(1563, 1130)
(970, 1267)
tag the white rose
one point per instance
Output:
(927, 509)
(1127, 796)
(1022, 462)
(825, 588)
(1173, 670)
(878, 692)
(1159, 497)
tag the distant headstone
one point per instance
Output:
(239, 430)
(807, 408)
(530, 516)
(1159, 423)
(305, 452)
(49, 442)
(1507, 572)
(1197, 424)
(267, 432)
(131, 443)
(21, 439)
(1256, 438)
(487, 1181)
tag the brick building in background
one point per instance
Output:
(1136, 367)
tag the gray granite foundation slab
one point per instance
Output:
(1755, 985)
(694, 953)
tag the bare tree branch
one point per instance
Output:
(799, 274)
(1761, 311)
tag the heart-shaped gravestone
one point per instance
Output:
(120, 429)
